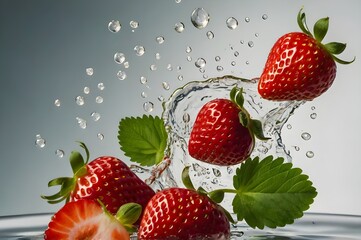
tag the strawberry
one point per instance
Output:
(179, 213)
(86, 219)
(299, 66)
(105, 178)
(223, 132)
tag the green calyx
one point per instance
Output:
(67, 184)
(253, 125)
(319, 32)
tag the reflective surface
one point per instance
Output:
(311, 226)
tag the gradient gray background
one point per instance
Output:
(45, 47)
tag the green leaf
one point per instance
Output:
(320, 28)
(256, 127)
(301, 20)
(216, 195)
(335, 47)
(187, 182)
(143, 139)
(271, 193)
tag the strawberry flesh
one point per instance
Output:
(178, 213)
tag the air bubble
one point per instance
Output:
(89, 71)
(148, 106)
(179, 27)
(306, 136)
(232, 23)
(114, 26)
(310, 154)
(40, 141)
(121, 75)
(139, 50)
(119, 57)
(79, 100)
(57, 103)
(200, 18)
(200, 63)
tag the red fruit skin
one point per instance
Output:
(111, 181)
(218, 137)
(298, 68)
(183, 214)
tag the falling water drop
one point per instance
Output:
(264, 16)
(165, 86)
(188, 49)
(232, 23)
(101, 86)
(313, 115)
(186, 118)
(114, 26)
(306, 136)
(200, 63)
(250, 44)
(153, 67)
(180, 77)
(247, 19)
(99, 99)
(157, 56)
(121, 75)
(95, 116)
(200, 18)
(143, 80)
(143, 95)
(219, 68)
(148, 106)
(100, 136)
(169, 67)
(217, 58)
(216, 172)
(79, 100)
(86, 90)
(89, 71)
(289, 126)
(310, 154)
(40, 141)
(59, 153)
(179, 27)
(210, 35)
(57, 103)
(159, 39)
(134, 24)
(81, 122)
(139, 50)
(119, 57)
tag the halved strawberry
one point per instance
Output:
(178, 213)
(299, 66)
(223, 132)
(105, 178)
(86, 219)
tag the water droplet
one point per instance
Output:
(153, 67)
(126, 64)
(241, 41)
(160, 98)
(289, 126)
(157, 56)
(179, 27)
(159, 39)
(169, 67)
(200, 63)
(57, 103)
(247, 62)
(114, 26)
(215, 181)
(200, 18)
(86, 90)
(306, 136)
(39, 141)
(79, 100)
(165, 86)
(247, 19)
(121, 75)
(313, 115)
(216, 172)
(232, 23)
(119, 57)
(188, 49)
(143, 80)
(180, 77)
(189, 58)
(219, 68)
(297, 148)
(99, 99)
(236, 54)
(143, 95)
(148, 106)
(81, 122)
(313, 108)
(202, 70)
(134, 24)
(310, 154)
(101, 86)
(178, 1)
(179, 68)
(256, 34)
(229, 170)
(95, 116)
(59, 153)
(100, 136)
(89, 71)
(210, 35)
(264, 16)
(186, 118)
(250, 44)
(205, 76)
(139, 50)
(217, 58)
(233, 63)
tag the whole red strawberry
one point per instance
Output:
(299, 66)
(87, 219)
(223, 132)
(183, 214)
(106, 178)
